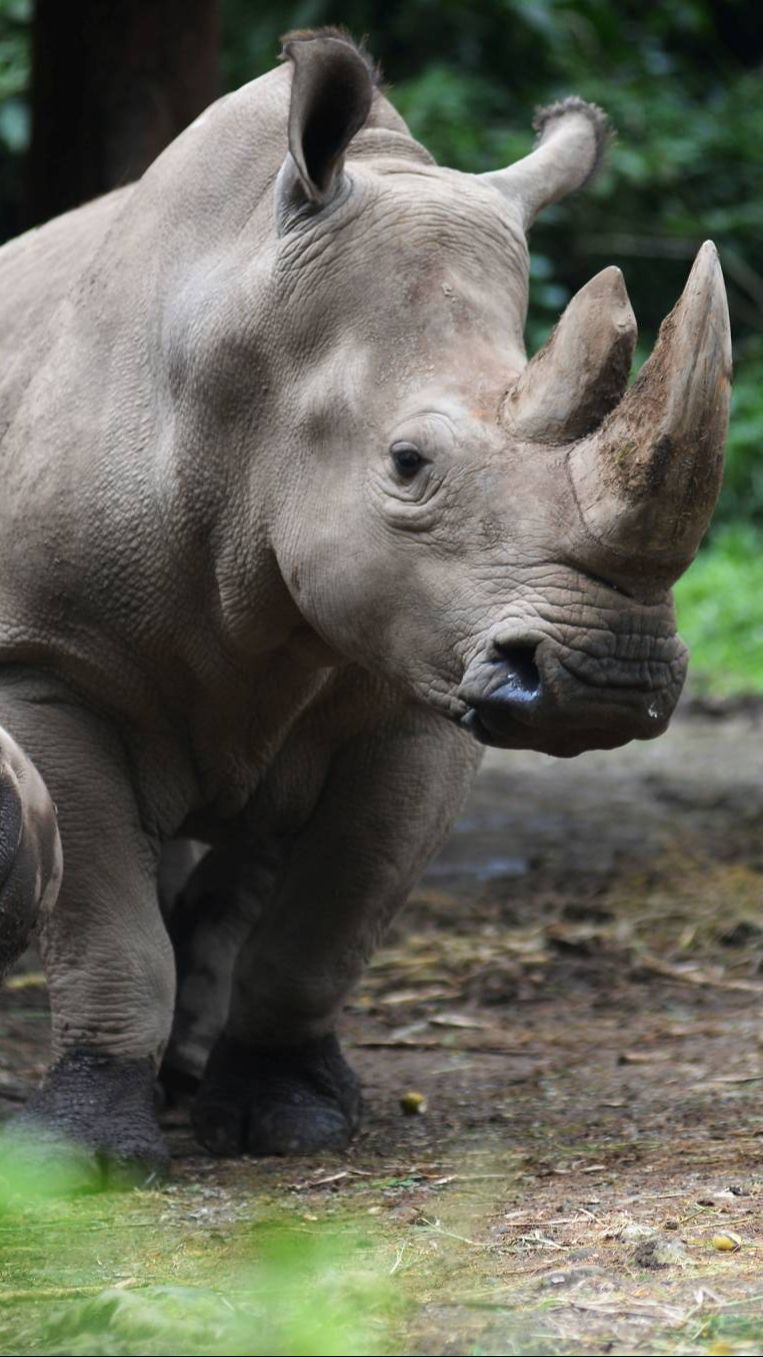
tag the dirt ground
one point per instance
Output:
(574, 991)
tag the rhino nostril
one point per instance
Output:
(507, 695)
(523, 680)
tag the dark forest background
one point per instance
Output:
(90, 90)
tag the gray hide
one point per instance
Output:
(289, 529)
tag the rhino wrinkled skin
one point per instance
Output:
(289, 529)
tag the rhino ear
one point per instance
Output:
(331, 93)
(572, 138)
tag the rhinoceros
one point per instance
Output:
(291, 528)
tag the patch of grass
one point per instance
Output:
(177, 1271)
(720, 613)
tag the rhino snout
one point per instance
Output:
(537, 695)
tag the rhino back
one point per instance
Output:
(39, 268)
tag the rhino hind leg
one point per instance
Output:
(280, 1100)
(268, 1100)
(212, 913)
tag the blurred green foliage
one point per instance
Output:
(720, 614)
(683, 84)
(183, 1270)
(15, 21)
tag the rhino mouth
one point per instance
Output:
(563, 743)
(543, 697)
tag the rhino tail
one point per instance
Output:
(31, 860)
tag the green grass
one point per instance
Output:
(184, 1270)
(720, 613)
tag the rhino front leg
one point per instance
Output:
(107, 957)
(30, 851)
(276, 1081)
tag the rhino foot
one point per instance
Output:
(277, 1099)
(94, 1120)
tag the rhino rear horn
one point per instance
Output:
(331, 94)
(572, 136)
(582, 371)
(648, 479)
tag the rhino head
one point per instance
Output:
(499, 537)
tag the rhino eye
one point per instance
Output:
(408, 460)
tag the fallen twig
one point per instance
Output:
(462, 1239)
(329, 1179)
(66, 1292)
(696, 977)
(435, 1044)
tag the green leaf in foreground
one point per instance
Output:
(179, 1271)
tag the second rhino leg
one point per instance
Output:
(276, 1081)
(30, 851)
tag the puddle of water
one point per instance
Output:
(483, 869)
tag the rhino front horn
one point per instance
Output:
(582, 371)
(648, 479)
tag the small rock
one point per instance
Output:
(634, 1232)
(569, 1277)
(660, 1252)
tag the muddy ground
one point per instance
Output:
(575, 992)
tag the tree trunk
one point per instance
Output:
(113, 82)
